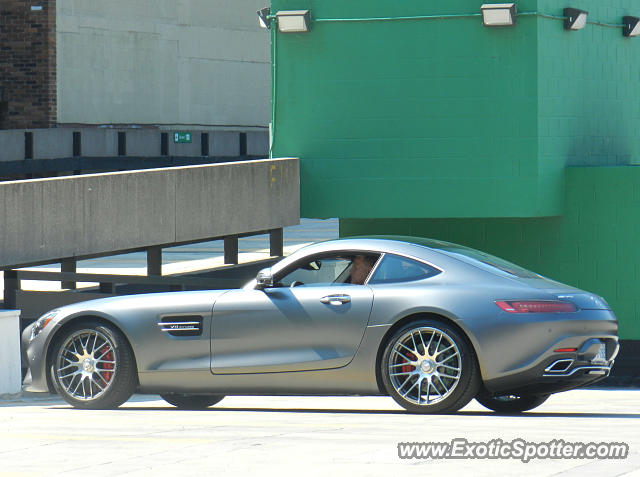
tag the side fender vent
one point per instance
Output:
(190, 325)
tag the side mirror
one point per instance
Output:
(264, 279)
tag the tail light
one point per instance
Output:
(537, 306)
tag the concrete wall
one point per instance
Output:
(70, 217)
(202, 62)
(10, 368)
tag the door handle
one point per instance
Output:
(335, 300)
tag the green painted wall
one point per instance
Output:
(447, 118)
(594, 246)
(588, 95)
(413, 118)
(456, 131)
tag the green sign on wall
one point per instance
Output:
(182, 138)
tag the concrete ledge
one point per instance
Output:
(52, 143)
(193, 148)
(257, 143)
(224, 143)
(69, 217)
(143, 142)
(11, 371)
(57, 143)
(99, 142)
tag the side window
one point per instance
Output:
(395, 269)
(347, 268)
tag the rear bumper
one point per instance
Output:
(560, 371)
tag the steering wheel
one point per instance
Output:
(295, 283)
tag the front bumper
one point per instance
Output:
(34, 355)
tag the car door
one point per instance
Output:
(297, 325)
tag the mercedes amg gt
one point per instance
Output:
(429, 323)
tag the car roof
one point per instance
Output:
(385, 243)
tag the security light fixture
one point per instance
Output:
(631, 26)
(293, 21)
(575, 19)
(263, 16)
(498, 14)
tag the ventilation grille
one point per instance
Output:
(181, 325)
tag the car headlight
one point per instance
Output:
(42, 323)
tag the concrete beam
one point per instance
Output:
(48, 220)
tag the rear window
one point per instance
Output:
(395, 269)
(484, 260)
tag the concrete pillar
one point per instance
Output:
(68, 266)
(11, 375)
(276, 242)
(231, 249)
(11, 286)
(106, 287)
(154, 261)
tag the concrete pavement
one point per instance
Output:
(310, 436)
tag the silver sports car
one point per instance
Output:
(430, 323)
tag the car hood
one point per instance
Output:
(141, 301)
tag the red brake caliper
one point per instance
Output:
(107, 357)
(408, 368)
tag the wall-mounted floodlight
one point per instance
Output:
(575, 19)
(263, 17)
(631, 26)
(293, 21)
(498, 14)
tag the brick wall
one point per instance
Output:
(27, 64)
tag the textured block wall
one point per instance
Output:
(410, 118)
(27, 64)
(588, 95)
(594, 246)
(447, 118)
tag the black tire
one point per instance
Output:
(451, 392)
(192, 401)
(510, 403)
(103, 377)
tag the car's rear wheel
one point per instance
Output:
(511, 403)
(192, 401)
(93, 367)
(429, 367)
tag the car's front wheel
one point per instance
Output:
(93, 367)
(511, 403)
(192, 401)
(429, 367)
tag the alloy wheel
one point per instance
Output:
(425, 366)
(86, 364)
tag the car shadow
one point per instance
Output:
(532, 414)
